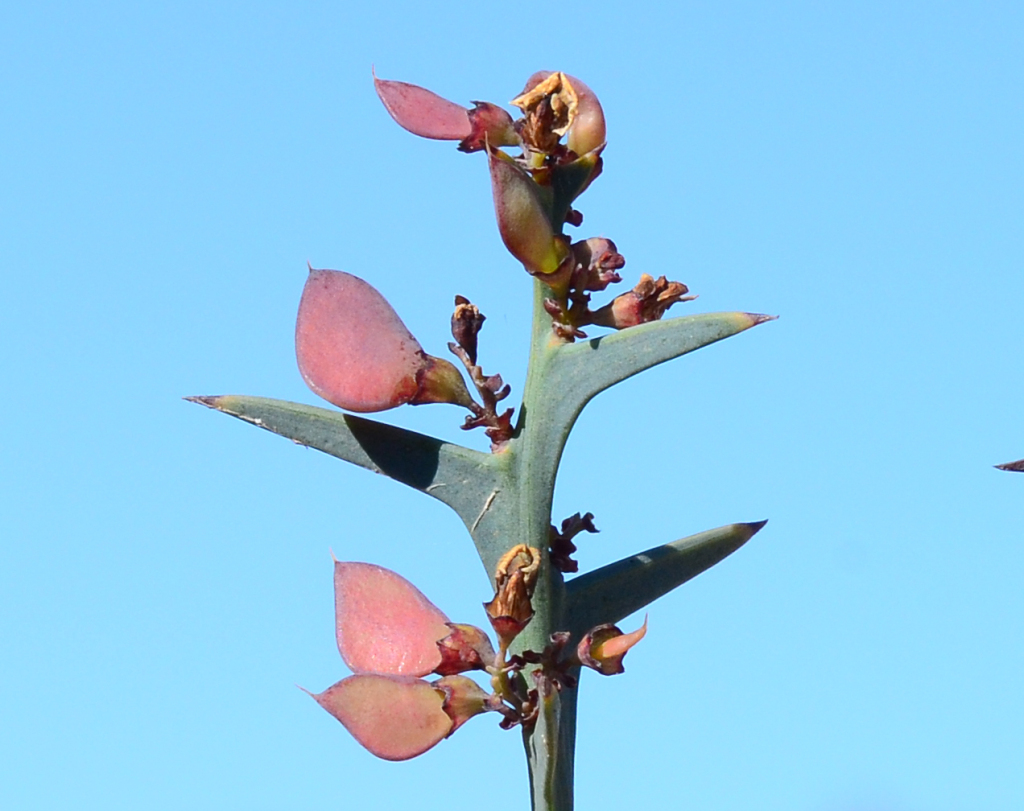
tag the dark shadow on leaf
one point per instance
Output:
(405, 456)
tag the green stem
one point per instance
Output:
(550, 743)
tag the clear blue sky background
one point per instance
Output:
(167, 170)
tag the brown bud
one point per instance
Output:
(515, 579)
(465, 648)
(467, 320)
(598, 261)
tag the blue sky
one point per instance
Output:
(167, 171)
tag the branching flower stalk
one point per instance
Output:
(354, 351)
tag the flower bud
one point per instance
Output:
(604, 647)
(354, 351)
(523, 217)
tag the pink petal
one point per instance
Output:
(383, 622)
(396, 718)
(353, 349)
(423, 113)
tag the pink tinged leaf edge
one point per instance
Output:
(352, 348)
(422, 112)
(383, 623)
(394, 717)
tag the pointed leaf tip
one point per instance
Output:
(760, 318)
(384, 624)
(1017, 466)
(209, 402)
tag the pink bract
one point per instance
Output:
(353, 349)
(395, 717)
(383, 622)
(422, 112)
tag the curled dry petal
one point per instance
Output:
(549, 107)
(514, 580)
(523, 218)
(422, 112)
(383, 622)
(354, 351)
(604, 647)
(598, 262)
(581, 116)
(394, 717)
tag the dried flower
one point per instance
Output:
(646, 302)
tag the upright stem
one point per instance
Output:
(550, 743)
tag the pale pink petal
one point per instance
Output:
(395, 717)
(353, 349)
(383, 622)
(422, 112)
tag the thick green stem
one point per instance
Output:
(550, 743)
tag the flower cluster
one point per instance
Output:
(560, 135)
(391, 636)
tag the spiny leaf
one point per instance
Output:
(615, 591)
(460, 477)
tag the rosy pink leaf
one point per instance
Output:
(353, 349)
(422, 112)
(395, 717)
(383, 622)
